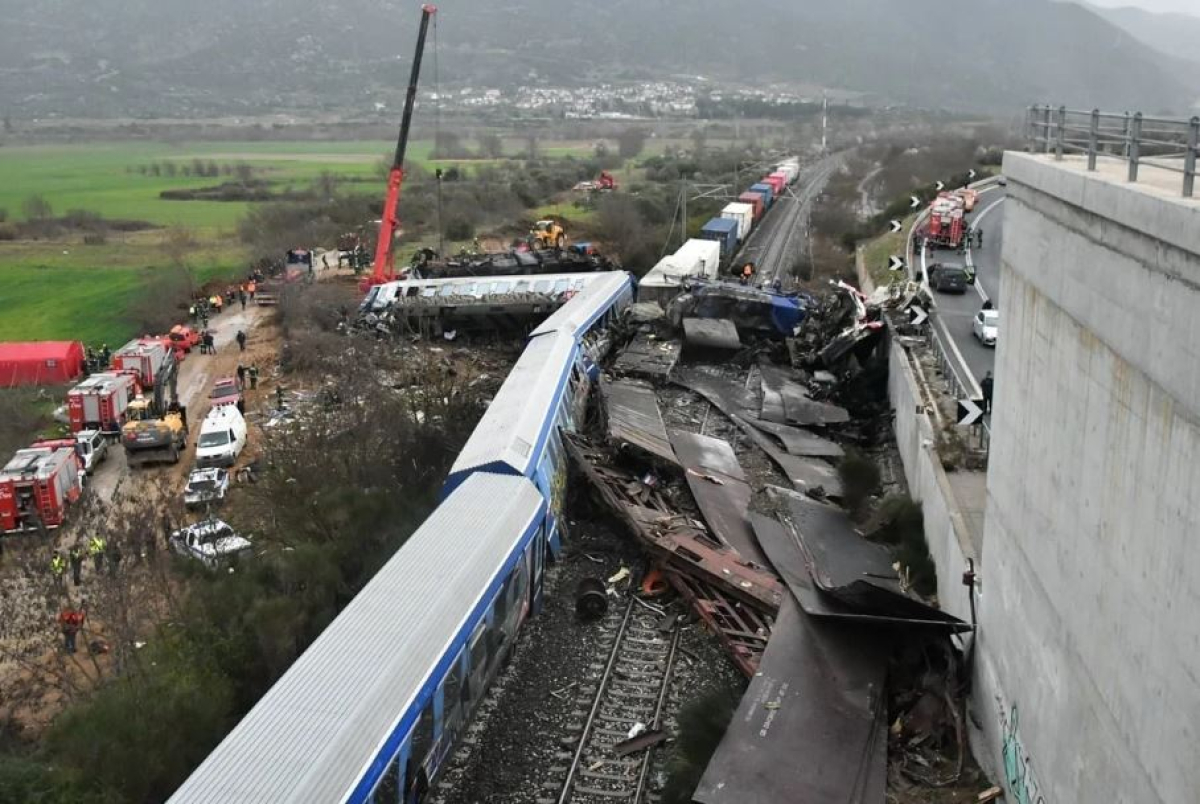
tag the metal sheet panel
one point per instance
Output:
(720, 488)
(634, 418)
(711, 333)
(858, 573)
(796, 440)
(812, 726)
(314, 733)
(809, 475)
(798, 407)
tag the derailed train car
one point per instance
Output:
(371, 711)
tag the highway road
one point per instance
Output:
(952, 314)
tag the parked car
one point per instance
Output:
(222, 437)
(948, 278)
(90, 446)
(211, 541)
(986, 326)
(205, 486)
(226, 392)
(183, 337)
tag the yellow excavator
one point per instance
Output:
(548, 234)
(151, 435)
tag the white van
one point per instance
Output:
(222, 437)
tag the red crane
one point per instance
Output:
(385, 270)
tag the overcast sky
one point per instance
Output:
(1181, 6)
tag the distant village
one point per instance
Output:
(611, 101)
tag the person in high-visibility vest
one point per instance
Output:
(96, 548)
(58, 568)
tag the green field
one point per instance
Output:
(62, 288)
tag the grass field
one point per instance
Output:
(61, 288)
(877, 252)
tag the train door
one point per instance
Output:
(477, 663)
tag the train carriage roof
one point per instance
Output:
(314, 735)
(510, 436)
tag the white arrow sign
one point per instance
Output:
(916, 202)
(896, 226)
(969, 411)
(941, 186)
(896, 264)
(971, 173)
(919, 315)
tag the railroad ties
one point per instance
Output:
(617, 718)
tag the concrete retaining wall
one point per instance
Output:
(949, 544)
(1091, 579)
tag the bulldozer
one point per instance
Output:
(548, 234)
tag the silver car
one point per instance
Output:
(211, 541)
(206, 486)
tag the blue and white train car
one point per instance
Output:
(372, 709)
(545, 393)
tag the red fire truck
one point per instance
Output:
(36, 487)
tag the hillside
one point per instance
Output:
(1174, 34)
(178, 57)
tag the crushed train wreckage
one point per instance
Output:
(805, 606)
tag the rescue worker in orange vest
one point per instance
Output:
(71, 620)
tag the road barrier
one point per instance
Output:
(1157, 142)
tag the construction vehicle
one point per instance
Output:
(155, 429)
(604, 183)
(385, 268)
(547, 234)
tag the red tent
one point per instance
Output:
(40, 362)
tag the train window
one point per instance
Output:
(388, 791)
(452, 699)
(501, 287)
(479, 648)
(542, 286)
(502, 601)
(428, 290)
(422, 735)
(562, 285)
(412, 291)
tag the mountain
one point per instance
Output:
(184, 58)
(1174, 34)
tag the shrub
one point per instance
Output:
(860, 478)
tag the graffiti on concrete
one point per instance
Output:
(1018, 766)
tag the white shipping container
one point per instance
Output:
(789, 170)
(695, 258)
(743, 214)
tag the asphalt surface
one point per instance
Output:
(953, 314)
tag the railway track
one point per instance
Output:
(628, 689)
(773, 246)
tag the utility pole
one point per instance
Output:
(824, 121)
(441, 229)
(684, 192)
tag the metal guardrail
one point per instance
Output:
(1157, 142)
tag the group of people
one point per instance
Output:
(245, 373)
(103, 555)
(96, 359)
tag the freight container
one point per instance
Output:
(36, 486)
(695, 258)
(150, 359)
(783, 176)
(778, 184)
(766, 191)
(100, 402)
(724, 231)
(743, 214)
(753, 199)
(789, 171)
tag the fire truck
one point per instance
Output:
(947, 227)
(36, 486)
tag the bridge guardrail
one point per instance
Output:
(1156, 142)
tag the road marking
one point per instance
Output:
(970, 259)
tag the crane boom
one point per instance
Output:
(384, 270)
